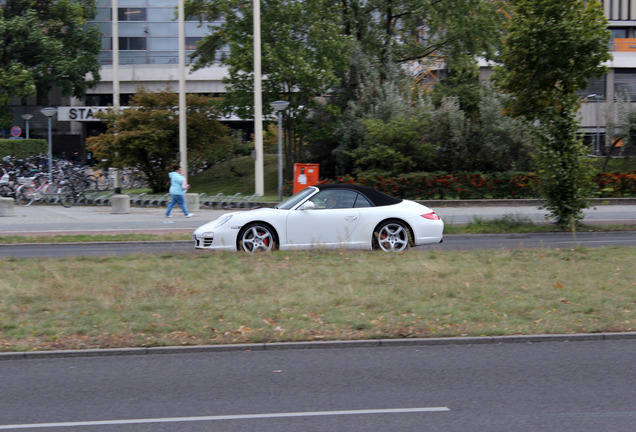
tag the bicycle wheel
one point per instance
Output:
(24, 196)
(48, 194)
(6, 191)
(89, 183)
(66, 195)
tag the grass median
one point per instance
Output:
(213, 298)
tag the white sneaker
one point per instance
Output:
(168, 215)
(190, 215)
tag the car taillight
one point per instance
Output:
(431, 216)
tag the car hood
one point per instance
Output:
(239, 218)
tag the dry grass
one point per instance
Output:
(210, 298)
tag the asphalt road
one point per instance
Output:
(578, 386)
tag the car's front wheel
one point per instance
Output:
(257, 237)
(392, 236)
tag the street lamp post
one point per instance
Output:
(26, 118)
(279, 106)
(597, 140)
(49, 113)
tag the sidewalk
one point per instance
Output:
(55, 219)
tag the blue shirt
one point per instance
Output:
(176, 183)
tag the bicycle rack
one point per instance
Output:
(136, 200)
(210, 201)
(103, 199)
(218, 201)
(248, 201)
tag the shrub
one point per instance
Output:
(23, 148)
(476, 185)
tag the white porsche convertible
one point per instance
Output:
(325, 216)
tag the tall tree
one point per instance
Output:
(44, 44)
(394, 39)
(303, 55)
(551, 49)
(344, 48)
(147, 135)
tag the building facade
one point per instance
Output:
(148, 54)
(148, 57)
(620, 79)
(148, 45)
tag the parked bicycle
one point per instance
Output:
(7, 183)
(38, 188)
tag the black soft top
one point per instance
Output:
(376, 197)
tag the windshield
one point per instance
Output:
(296, 198)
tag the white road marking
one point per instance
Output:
(224, 417)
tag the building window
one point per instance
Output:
(103, 14)
(191, 42)
(625, 83)
(132, 14)
(132, 43)
(618, 33)
(596, 87)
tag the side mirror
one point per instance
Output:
(308, 206)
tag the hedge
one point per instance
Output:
(504, 185)
(23, 148)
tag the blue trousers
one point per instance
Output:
(177, 200)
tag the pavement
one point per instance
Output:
(55, 219)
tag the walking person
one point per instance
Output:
(178, 188)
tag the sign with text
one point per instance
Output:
(80, 113)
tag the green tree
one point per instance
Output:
(551, 49)
(345, 49)
(461, 81)
(395, 137)
(303, 55)
(147, 135)
(393, 40)
(44, 44)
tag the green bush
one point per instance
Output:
(22, 148)
(503, 185)
(616, 184)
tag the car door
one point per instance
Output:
(318, 224)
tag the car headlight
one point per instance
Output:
(222, 220)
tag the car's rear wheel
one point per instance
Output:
(257, 237)
(392, 236)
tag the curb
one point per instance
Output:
(271, 346)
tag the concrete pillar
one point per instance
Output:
(120, 204)
(6, 207)
(192, 202)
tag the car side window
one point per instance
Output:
(334, 199)
(362, 201)
(348, 199)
